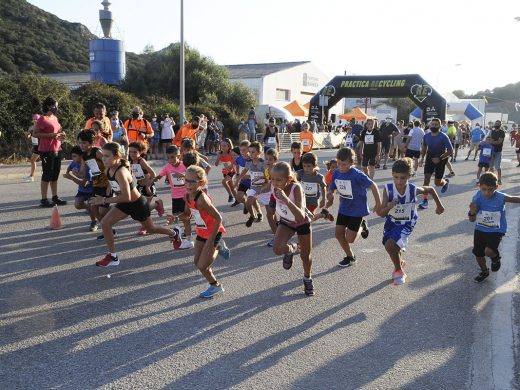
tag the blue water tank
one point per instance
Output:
(107, 61)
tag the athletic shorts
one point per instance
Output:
(483, 240)
(312, 208)
(83, 196)
(35, 150)
(497, 162)
(431, 168)
(483, 165)
(385, 145)
(138, 210)
(229, 174)
(143, 191)
(155, 138)
(473, 146)
(412, 153)
(352, 223)
(301, 230)
(51, 166)
(101, 191)
(178, 205)
(398, 233)
(242, 187)
(218, 237)
(368, 160)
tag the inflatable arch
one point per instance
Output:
(413, 86)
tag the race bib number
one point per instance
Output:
(344, 188)
(369, 139)
(177, 181)
(198, 219)
(137, 171)
(93, 166)
(34, 140)
(115, 186)
(284, 212)
(401, 212)
(348, 141)
(241, 169)
(306, 142)
(271, 141)
(258, 176)
(489, 219)
(486, 152)
(310, 189)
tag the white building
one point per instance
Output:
(278, 84)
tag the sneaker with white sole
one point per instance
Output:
(186, 244)
(93, 226)
(212, 291)
(28, 179)
(223, 250)
(399, 277)
(270, 243)
(108, 261)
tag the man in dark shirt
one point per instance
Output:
(387, 130)
(356, 130)
(496, 138)
(370, 146)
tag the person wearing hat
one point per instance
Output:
(35, 155)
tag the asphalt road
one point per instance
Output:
(64, 324)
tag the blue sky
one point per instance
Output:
(361, 37)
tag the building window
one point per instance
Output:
(283, 94)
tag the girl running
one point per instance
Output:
(266, 198)
(352, 186)
(290, 207)
(271, 138)
(144, 176)
(399, 206)
(225, 156)
(128, 202)
(209, 242)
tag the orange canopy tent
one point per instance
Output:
(296, 109)
(356, 114)
(307, 105)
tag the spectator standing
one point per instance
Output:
(138, 128)
(35, 155)
(387, 130)
(252, 124)
(167, 134)
(189, 130)
(496, 138)
(119, 134)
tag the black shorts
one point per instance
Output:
(352, 223)
(229, 174)
(35, 150)
(368, 160)
(138, 210)
(51, 165)
(143, 190)
(218, 237)
(412, 153)
(483, 240)
(166, 141)
(242, 187)
(430, 168)
(385, 145)
(483, 165)
(178, 205)
(301, 230)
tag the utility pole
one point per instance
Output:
(182, 96)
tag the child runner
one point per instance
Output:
(352, 186)
(331, 165)
(242, 184)
(101, 134)
(306, 138)
(486, 155)
(85, 190)
(290, 207)
(370, 148)
(351, 139)
(225, 156)
(271, 138)
(128, 202)
(255, 170)
(92, 159)
(175, 171)
(399, 208)
(313, 184)
(209, 242)
(296, 161)
(144, 175)
(488, 210)
(515, 141)
(265, 198)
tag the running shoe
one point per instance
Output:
(445, 186)
(259, 217)
(46, 203)
(28, 179)
(245, 210)
(250, 221)
(364, 229)
(175, 238)
(347, 261)
(495, 264)
(482, 276)
(230, 199)
(451, 174)
(93, 226)
(186, 244)
(399, 278)
(102, 237)
(223, 250)
(235, 203)
(58, 201)
(142, 231)
(212, 291)
(108, 261)
(270, 243)
(327, 215)
(287, 260)
(424, 204)
(308, 287)
(159, 206)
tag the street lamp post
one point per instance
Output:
(182, 86)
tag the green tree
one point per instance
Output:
(404, 107)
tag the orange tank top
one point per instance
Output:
(203, 221)
(226, 159)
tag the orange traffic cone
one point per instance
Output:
(55, 223)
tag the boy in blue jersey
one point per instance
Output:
(486, 154)
(487, 209)
(85, 189)
(243, 184)
(352, 186)
(399, 208)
